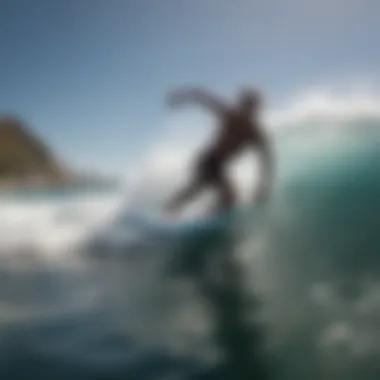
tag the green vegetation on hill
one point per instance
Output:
(23, 156)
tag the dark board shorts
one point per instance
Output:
(210, 168)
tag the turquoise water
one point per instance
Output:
(290, 292)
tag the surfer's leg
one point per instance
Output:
(183, 196)
(227, 196)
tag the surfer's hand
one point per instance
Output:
(175, 98)
(181, 96)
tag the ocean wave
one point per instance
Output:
(309, 258)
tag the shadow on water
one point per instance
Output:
(212, 261)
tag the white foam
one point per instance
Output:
(52, 227)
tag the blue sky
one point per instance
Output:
(90, 75)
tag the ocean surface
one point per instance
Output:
(289, 291)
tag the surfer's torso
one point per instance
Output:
(235, 133)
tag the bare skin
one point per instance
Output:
(239, 128)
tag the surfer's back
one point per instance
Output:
(238, 129)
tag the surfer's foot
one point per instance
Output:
(220, 208)
(171, 211)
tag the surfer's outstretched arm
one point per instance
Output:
(197, 96)
(265, 155)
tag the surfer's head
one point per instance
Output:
(250, 100)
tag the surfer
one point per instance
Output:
(239, 128)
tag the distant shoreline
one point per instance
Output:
(15, 184)
(27, 163)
